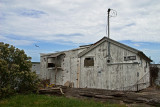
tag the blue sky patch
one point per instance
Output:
(149, 48)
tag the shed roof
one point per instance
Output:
(56, 55)
(63, 52)
(140, 53)
(35, 62)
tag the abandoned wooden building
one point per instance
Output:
(106, 64)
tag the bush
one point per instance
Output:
(15, 71)
(153, 74)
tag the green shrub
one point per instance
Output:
(153, 74)
(15, 71)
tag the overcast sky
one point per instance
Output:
(56, 25)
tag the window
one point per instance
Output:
(51, 65)
(89, 62)
(51, 62)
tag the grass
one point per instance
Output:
(33, 100)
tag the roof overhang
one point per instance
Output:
(56, 55)
(53, 55)
(141, 54)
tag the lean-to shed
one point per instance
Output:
(106, 64)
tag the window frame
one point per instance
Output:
(91, 59)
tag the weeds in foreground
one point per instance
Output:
(33, 100)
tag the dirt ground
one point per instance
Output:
(147, 98)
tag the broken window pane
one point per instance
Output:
(89, 62)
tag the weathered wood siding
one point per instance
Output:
(117, 75)
(36, 68)
(69, 64)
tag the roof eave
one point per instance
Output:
(141, 54)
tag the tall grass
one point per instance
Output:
(33, 100)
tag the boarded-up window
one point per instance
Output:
(51, 65)
(89, 62)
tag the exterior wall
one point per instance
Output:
(36, 68)
(117, 75)
(67, 73)
(71, 67)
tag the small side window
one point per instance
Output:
(51, 65)
(89, 62)
(50, 62)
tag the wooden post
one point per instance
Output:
(56, 70)
(78, 71)
(137, 79)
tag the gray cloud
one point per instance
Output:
(82, 21)
(16, 42)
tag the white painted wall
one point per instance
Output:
(117, 75)
(36, 68)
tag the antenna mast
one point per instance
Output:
(108, 20)
(113, 14)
